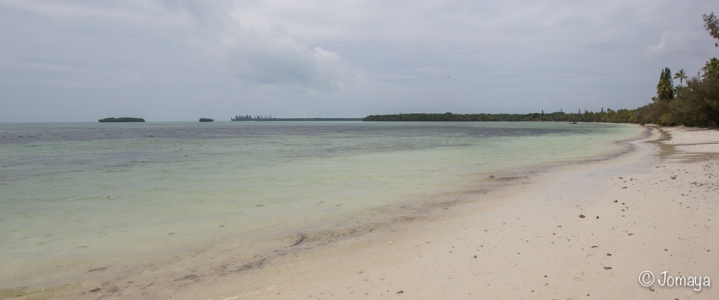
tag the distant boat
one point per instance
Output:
(573, 122)
(123, 119)
(206, 120)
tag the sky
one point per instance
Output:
(179, 60)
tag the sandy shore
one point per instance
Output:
(641, 212)
(581, 232)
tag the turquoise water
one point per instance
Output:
(75, 196)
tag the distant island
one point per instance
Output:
(252, 118)
(122, 119)
(206, 120)
(273, 118)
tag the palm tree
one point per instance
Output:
(681, 76)
(711, 67)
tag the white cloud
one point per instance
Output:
(672, 43)
(267, 60)
(260, 53)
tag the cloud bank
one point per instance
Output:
(66, 60)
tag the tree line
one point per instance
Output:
(608, 116)
(694, 102)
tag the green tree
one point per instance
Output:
(711, 67)
(698, 104)
(665, 87)
(712, 25)
(681, 76)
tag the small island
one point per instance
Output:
(206, 120)
(122, 119)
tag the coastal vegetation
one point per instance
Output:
(121, 119)
(608, 116)
(694, 102)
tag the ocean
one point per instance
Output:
(80, 198)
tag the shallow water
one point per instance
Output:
(76, 196)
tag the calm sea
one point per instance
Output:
(79, 196)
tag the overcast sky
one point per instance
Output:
(164, 60)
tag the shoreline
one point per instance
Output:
(537, 232)
(261, 252)
(338, 261)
